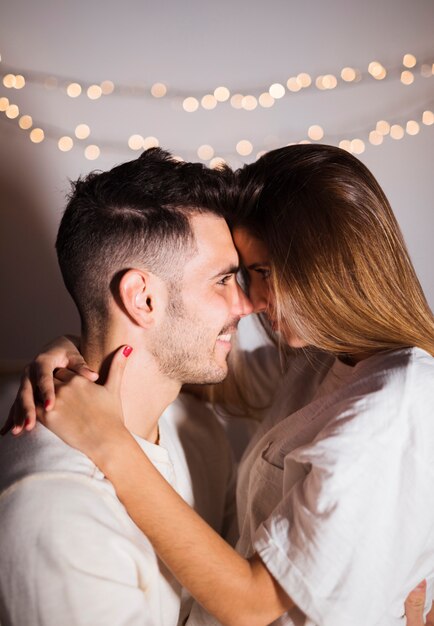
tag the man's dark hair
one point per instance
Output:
(135, 215)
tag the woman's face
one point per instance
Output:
(255, 259)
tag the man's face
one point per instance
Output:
(194, 340)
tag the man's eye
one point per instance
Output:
(225, 280)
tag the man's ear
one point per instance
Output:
(143, 295)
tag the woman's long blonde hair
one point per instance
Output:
(342, 277)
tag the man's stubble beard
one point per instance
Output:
(183, 348)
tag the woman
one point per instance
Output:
(331, 495)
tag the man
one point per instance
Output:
(148, 258)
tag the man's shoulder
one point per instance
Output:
(37, 452)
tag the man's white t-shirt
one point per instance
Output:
(337, 498)
(69, 552)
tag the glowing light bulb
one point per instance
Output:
(107, 87)
(150, 142)
(25, 122)
(4, 104)
(376, 70)
(375, 138)
(135, 142)
(303, 79)
(65, 144)
(294, 84)
(407, 77)
(396, 131)
(94, 92)
(428, 118)
(276, 90)
(348, 74)
(222, 94)
(37, 135)
(158, 90)
(92, 152)
(237, 101)
(12, 111)
(209, 102)
(412, 127)
(190, 104)
(265, 100)
(345, 144)
(9, 81)
(73, 90)
(357, 146)
(82, 131)
(315, 132)
(20, 81)
(249, 103)
(205, 152)
(382, 127)
(216, 163)
(409, 60)
(244, 147)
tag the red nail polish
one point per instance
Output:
(127, 351)
(46, 404)
(26, 422)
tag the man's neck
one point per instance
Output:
(145, 391)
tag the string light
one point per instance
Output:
(158, 90)
(150, 142)
(265, 100)
(65, 144)
(222, 94)
(37, 135)
(12, 111)
(396, 131)
(407, 77)
(135, 142)
(205, 152)
(209, 102)
(412, 127)
(73, 90)
(249, 103)
(94, 92)
(315, 132)
(92, 152)
(82, 131)
(4, 104)
(244, 147)
(25, 122)
(107, 87)
(237, 101)
(376, 138)
(277, 91)
(409, 60)
(428, 118)
(190, 104)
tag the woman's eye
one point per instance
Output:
(265, 273)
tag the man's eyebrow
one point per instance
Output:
(232, 269)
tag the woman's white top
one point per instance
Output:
(338, 498)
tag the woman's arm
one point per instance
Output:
(237, 591)
(37, 384)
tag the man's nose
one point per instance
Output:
(242, 305)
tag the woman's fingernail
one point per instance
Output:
(15, 430)
(46, 404)
(26, 422)
(127, 351)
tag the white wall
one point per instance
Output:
(196, 46)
